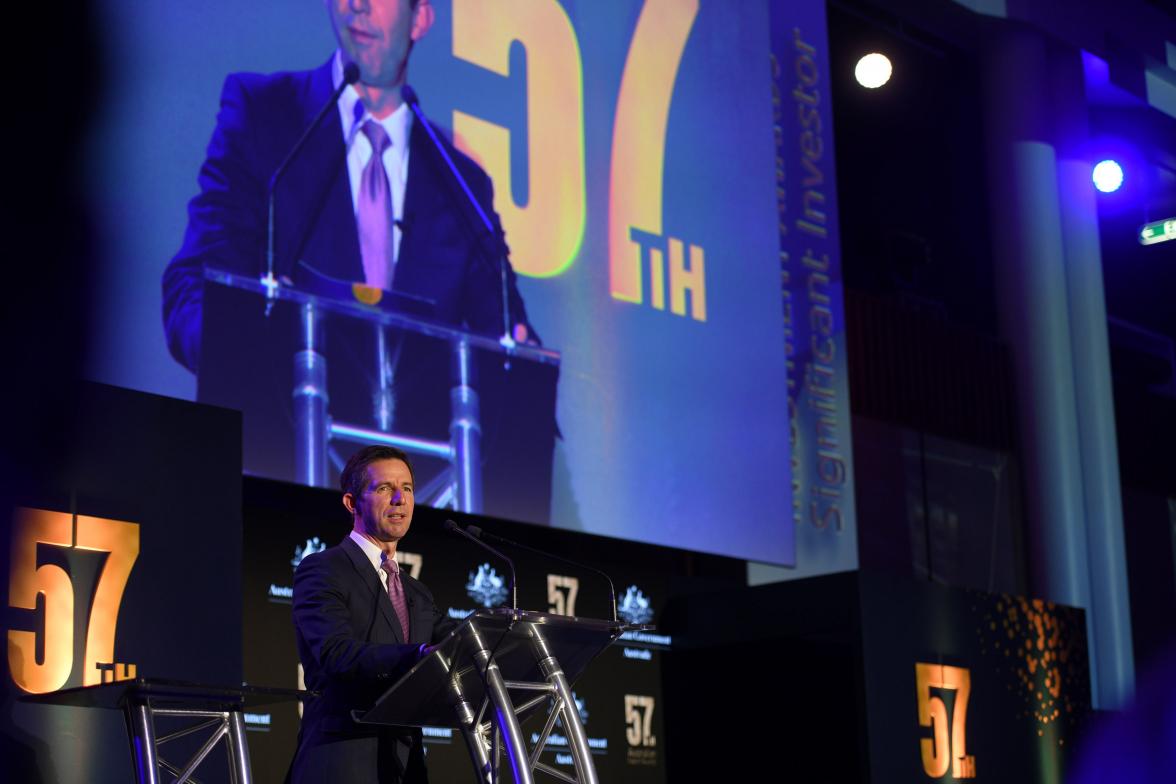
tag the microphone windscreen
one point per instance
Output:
(449, 525)
(350, 73)
(474, 531)
(409, 95)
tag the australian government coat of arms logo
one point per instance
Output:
(634, 606)
(313, 545)
(486, 586)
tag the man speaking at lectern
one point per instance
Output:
(361, 623)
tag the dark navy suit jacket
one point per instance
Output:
(260, 120)
(352, 650)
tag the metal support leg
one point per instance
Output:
(505, 719)
(465, 430)
(577, 738)
(384, 401)
(467, 722)
(310, 401)
(239, 769)
(141, 730)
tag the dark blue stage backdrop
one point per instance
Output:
(123, 561)
(619, 697)
(870, 677)
(134, 559)
(631, 143)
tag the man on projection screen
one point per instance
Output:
(367, 199)
(393, 226)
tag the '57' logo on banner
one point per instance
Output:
(41, 658)
(939, 753)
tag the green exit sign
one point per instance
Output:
(1157, 231)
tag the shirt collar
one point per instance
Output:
(354, 114)
(373, 553)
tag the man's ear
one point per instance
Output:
(349, 502)
(422, 19)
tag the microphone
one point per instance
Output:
(350, 76)
(478, 533)
(453, 527)
(409, 96)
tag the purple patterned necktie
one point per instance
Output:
(396, 592)
(374, 214)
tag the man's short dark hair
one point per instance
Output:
(354, 475)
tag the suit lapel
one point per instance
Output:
(368, 576)
(423, 197)
(318, 222)
(420, 607)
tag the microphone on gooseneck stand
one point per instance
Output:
(514, 595)
(270, 281)
(492, 245)
(478, 533)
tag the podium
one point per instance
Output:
(216, 710)
(325, 364)
(494, 671)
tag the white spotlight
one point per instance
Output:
(873, 70)
(1107, 175)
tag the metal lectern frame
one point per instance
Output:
(215, 708)
(468, 680)
(314, 427)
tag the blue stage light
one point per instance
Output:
(1108, 176)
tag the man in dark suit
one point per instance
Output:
(319, 205)
(360, 624)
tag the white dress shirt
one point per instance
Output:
(375, 555)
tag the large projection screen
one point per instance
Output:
(631, 148)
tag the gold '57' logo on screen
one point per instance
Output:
(41, 653)
(939, 753)
(646, 263)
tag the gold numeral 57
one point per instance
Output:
(561, 594)
(937, 752)
(546, 233)
(30, 583)
(639, 720)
